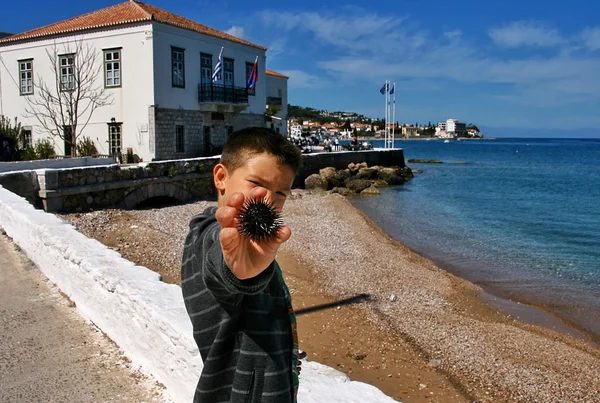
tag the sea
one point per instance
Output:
(518, 217)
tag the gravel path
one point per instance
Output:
(492, 356)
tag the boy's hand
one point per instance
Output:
(245, 257)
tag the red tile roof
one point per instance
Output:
(274, 73)
(121, 14)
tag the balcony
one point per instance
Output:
(219, 98)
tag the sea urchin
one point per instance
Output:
(259, 220)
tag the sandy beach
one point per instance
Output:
(412, 329)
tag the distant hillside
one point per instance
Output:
(323, 116)
(4, 34)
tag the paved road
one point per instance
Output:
(48, 353)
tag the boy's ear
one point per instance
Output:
(220, 175)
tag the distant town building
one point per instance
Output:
(410, 131)
(456, 128)
(277, 98)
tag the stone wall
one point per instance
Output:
(162, 130)
(162, 127)
(125, 186)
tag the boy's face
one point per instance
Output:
(260, 170)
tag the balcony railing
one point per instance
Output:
(223, 94)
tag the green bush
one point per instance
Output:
(86, 147)
(44, 149)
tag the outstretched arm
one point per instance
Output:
(246, 258)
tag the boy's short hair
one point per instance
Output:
(245, 143)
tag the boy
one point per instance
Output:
(233, 289)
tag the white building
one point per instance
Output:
(455, 127)
(277, 97)
(155, 69)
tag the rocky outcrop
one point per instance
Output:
(357, 179)
(419, 161)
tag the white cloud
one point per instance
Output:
(524, 33)
(591, 38)
(453, 35)
(301, 79)
(236, 31)
(349, 47)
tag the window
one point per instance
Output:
(27, 139)
(249, 68)
(112, 68)
(205, 68)
(228, 72)
(26, 76)
(67, 72)
(179, 139)
(178, 67)
(114, 139)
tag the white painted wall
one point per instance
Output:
(275, 85)
(130, 101)
(54, 164)
(145, 317)
(167, 96)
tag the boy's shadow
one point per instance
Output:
(352, 300)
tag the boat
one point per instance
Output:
(446, 141)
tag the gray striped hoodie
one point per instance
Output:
(242, 327)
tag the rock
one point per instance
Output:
(366, 173)
(357, 185)
(371, 190)
(380, 183)
(391, 175)
(314, 182)
(420, 161)
(357, 355)
(354, 168)
(333, 177)
(406, 173)
(416, 171)
(89, 200)
(393, 298)
(434, 363)
(341, 190)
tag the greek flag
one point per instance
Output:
(253, 76)
(216, 76)
(385, 88)
(393, 89)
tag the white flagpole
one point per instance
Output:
(394, 117)
(387, 112)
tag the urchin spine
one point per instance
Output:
(259, 220)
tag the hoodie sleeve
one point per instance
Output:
(203, 263)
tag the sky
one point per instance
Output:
(530, 66)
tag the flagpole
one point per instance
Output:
(385, 115)
(387, 112)
(394, 117)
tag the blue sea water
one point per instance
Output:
(520, 217)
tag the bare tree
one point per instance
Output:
(64, 106)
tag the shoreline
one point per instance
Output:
(527, 308)
(420, 319)
(533, 314)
